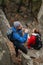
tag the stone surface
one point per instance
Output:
(4, 52)
(40, 18)
(11, 9)
(4, 25)
(36, 57)
(40, 11)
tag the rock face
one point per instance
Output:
(36, 57)
(41, 11)
(40, 18)
(4, 52)
(4, 25)
(23, 12)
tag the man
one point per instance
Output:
(19, 38)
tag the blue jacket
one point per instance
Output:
(17, 35)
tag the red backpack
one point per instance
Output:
(31, 41)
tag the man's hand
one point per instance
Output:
(26, 30)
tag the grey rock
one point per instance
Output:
(4, 25)
(5, 58)
(4, 53)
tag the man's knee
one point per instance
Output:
(23, 49)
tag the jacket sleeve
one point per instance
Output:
(22, 39)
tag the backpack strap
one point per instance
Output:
(35, 34)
